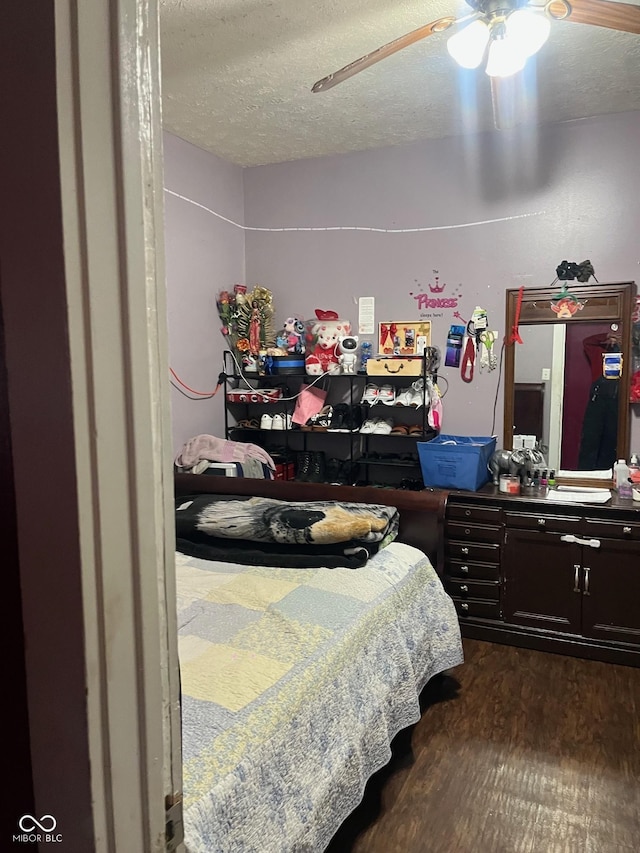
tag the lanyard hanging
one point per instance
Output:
(468, 359)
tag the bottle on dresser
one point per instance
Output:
(621, 481)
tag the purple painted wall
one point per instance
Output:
(581, 180)
(204, 255)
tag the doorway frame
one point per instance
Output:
(85, 352)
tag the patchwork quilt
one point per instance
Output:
(265, 531)
(293, 683)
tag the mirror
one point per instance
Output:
(554, 383)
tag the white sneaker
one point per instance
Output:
(383, 427)
(419, 394)
(281, 421)
(370, 395)
(266, 421)
(386, 395)
(369, 425)
(405, 397)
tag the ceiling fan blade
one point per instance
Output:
(598, 13)
(382, 53)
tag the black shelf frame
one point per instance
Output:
(359, 456)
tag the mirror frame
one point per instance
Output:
(534, 310)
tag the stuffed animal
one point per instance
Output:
(326, 331)
(293, 335)
(348, 349)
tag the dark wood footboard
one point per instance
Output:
(421, 513)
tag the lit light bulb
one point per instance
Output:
(467, 47)
(505, 58)
(528, 30)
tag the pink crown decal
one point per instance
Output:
(437, 288)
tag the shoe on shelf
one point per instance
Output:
(341, 420)
(332, 471)
(405, 397)
(266, 421)
(353, 418)
(370, 394)
(369, 425)
(247, 423)
(281, 420)
(317, 466)
(303, 466)
(419, 394)
(320, 421)
(383, 427)
(386, 395)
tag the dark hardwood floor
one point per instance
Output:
(518, 752)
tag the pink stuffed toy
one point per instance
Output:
(326, 331)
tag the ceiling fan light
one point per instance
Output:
(528, 30)
(468, 45)
(504, 58)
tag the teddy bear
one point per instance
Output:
(326, 331)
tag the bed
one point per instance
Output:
(295, 680)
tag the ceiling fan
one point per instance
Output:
(508, 32)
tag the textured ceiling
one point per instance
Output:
(237, 76)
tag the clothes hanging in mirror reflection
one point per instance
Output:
(598, 440)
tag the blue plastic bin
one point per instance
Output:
(456, 461)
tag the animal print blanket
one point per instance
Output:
(268, 532)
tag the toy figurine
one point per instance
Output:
(254, 328)
(348, 349)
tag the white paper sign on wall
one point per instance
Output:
(366, 315)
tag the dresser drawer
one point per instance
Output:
(486, 591)
(461, 532)
(479, 609)
(472, 571)
(475, 514)
(474, 551)
(612, 529)
(543, 521)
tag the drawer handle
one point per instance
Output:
(464, 569)
(576, 577)
(464, 588)
(586, 580)
(468, 512)
(626, 530)
(465, 550)
(464, 606)
(590, 543)
(542, 522)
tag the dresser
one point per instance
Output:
(554, 577)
